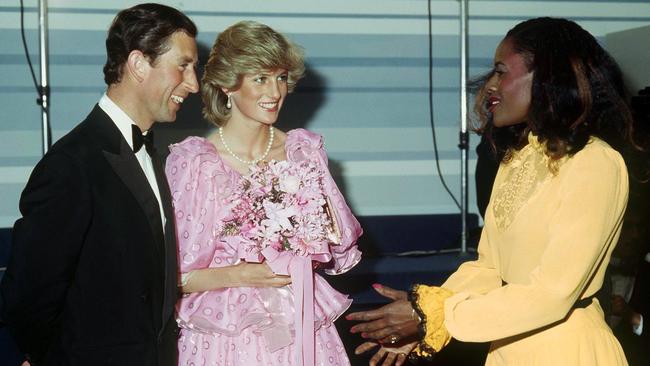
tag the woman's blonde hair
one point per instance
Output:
(246, 47)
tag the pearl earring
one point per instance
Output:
(228, 103)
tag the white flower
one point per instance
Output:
(290, 184)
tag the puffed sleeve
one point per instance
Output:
(302, 144)
(583, 229)
(479, 276)
(197, 186)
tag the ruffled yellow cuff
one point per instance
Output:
(428, 302)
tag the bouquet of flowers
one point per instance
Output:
(280, 213)
(282, 205)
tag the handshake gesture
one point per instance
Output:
(394, 328)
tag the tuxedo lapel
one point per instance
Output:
(163, 187)
(124, 163)
(122, 160)
(126, 166)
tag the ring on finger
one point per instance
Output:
(393, 339)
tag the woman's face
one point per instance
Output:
(260, 96)
(508, 89)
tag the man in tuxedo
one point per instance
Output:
(92, 278)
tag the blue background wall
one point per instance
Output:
(366, 89)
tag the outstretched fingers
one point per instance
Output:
(390, 293)
(394, 354)
(366, 316)
(365, 347)
(377, 357)
(369, 327)
(382, 333)
(389, 359)
(396, 333)
(401, 358)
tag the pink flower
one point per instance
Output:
(306, 247)
(277, 216)
(281, 205)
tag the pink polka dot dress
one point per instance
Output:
(245, 325)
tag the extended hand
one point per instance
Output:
(390, 323)
(396, 354)
(259, 275)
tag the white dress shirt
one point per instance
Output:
(123, 123)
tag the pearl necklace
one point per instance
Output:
(244, 161)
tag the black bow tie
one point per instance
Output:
(139, 139)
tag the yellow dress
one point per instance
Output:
(548, 234)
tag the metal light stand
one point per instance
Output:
(464, 134)
(44, 89)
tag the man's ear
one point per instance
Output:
(137, 65)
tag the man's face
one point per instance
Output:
(170, 79)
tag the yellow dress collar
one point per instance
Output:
(533, 141)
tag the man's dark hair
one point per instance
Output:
(144, 27)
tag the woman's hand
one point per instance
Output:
(242, 274)
(396, 354)
(257, 275)
(390, 323)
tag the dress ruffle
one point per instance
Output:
(232, 310)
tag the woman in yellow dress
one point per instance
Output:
(554, 103)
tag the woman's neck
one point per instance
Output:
(247, 138)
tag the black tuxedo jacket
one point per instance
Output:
(92, 278)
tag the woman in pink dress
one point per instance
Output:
(235, 312)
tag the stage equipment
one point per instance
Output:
(464, 121)
(44, 89)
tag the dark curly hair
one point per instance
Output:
(144, 27)
(577, 91)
